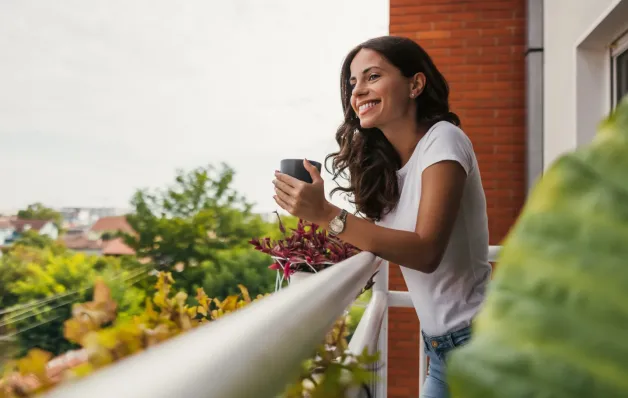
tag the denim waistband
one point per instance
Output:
(449, 340)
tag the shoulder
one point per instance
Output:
(446, 141)
(445, 132)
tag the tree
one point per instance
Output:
(39, 285)
(200, 224)
(220, 277)
(30, 248)
(239, 266)
(10, 271)
(33, 239)
(38, 211)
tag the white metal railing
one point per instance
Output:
(368, 334)
(493, 253)
(253, 352)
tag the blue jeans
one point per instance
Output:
(437, 348)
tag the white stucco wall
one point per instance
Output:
(49, 230)
(5, 233)
(576, 95)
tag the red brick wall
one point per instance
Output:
(403, 344)
(479, 46)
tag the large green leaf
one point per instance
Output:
(555, 322)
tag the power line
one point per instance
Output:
(8, 337)
(14, 319)
(38, 303)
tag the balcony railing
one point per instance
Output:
(257, 350)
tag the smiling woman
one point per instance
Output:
(396, 75)
(414, 175)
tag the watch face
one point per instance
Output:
(336, 225)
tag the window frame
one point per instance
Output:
(618, 47)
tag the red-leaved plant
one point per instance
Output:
(307, 249)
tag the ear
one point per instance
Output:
(417, 84)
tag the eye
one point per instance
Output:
(373, 76)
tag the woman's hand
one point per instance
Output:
(303, 200)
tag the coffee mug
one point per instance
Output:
(295, 168)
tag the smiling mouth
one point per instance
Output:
(367, 106)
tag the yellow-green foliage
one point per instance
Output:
(555, 320)
(166, 315)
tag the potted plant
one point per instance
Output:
(304, 251)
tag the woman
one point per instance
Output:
(414, 173)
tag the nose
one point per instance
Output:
(359, 90)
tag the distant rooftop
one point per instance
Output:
(107, 224)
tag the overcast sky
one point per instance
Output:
(98, 99)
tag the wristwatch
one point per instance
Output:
(337, 224)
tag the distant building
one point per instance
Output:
(99, 239)
(6, 229)
(11, 228)
(80, 243)
(76, 217)
(110, 225)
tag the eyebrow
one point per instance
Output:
(366, 70)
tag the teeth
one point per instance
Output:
(366, 106)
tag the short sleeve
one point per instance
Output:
(447, 142)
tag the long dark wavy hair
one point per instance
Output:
(365, 157)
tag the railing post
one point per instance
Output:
(381, 285)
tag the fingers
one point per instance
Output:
(288, 180)
(314, 173)
(282, 204)
(285, 197)
(290, 190)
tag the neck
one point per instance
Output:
(404, 135)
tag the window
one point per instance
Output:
(619, 65)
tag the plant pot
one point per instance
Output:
(300, 276)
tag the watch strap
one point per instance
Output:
(342, 217)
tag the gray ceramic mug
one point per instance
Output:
(295, 168)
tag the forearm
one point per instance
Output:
(399, 247)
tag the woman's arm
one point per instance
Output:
(442, 185)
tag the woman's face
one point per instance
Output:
(381, 94)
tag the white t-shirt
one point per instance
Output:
(447, 299)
